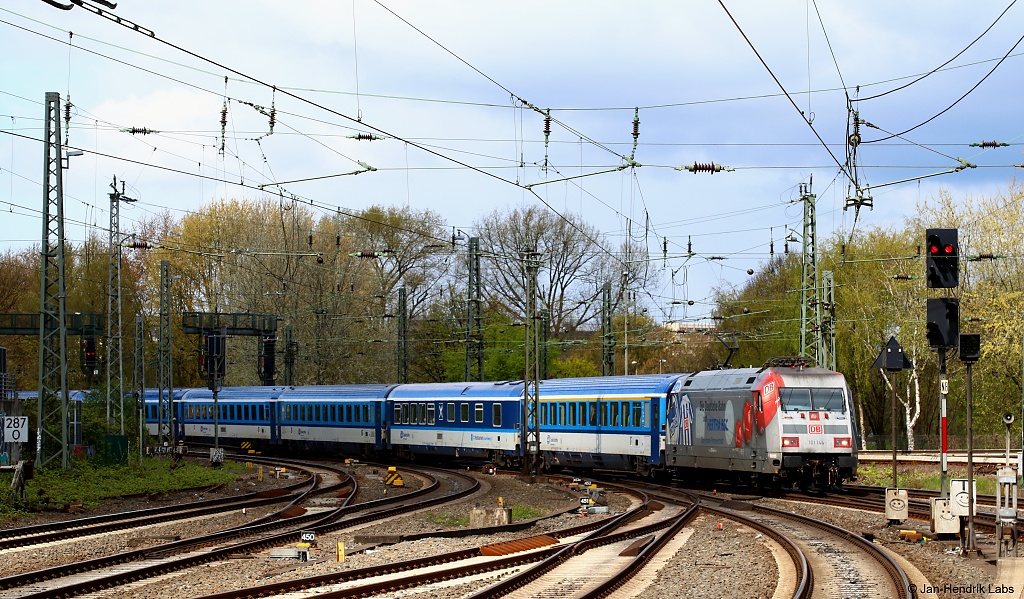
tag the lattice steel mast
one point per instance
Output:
(115, 356)
(53, 336)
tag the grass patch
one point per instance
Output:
(917, 478)
(91, 484)
(524, 512)
(447, 519)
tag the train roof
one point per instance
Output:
(657, 384)
(497, 389)
(334, 392)
(150, 394)
(744, 378)
(810, 377)
(252, 393)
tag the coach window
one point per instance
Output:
(562, 415)
(496, 414)
(430, 413)
(604, 413)
(463, 412)
(478, 413)
(625, 414)
(638, 419)
(543, 414)
(572, 414)
(614, 406)
(405, 413)
(593, 414)
(366, 413)
(450, 412)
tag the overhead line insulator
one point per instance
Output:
(366, 137)
(704, 167)
(139, 130)
(989, 144)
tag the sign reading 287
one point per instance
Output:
(15, 429)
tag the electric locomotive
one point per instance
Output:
(785, 423)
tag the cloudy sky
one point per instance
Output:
(457, 90)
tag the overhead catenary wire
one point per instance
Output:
(955, 102)
(943, 65)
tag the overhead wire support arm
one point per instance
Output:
(604, 172)
(963, 165)
(366, 169)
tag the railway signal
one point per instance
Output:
(942, 252)
(943, 324)
(89, 356)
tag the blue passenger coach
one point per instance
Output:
(348, 418)
(478, 420)
(244, 413)
(614, 422)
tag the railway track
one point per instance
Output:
(843, 563)
(550, 558)
(126, 567)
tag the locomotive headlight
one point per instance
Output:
(791, 441)
(843, 442)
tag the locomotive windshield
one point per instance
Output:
(818, 398)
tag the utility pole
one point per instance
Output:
(53, 334)
(607, 335)
(115, 358)
(139, 379)
(827, 337)
(542, 354)
(403, 337)
(290, 348)
(474, 318)
(531, 376)
(165, 375)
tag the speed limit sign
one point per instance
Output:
(15, 429)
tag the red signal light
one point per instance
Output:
(947, 249)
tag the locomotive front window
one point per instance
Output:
(795, 399)
(828, 399)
